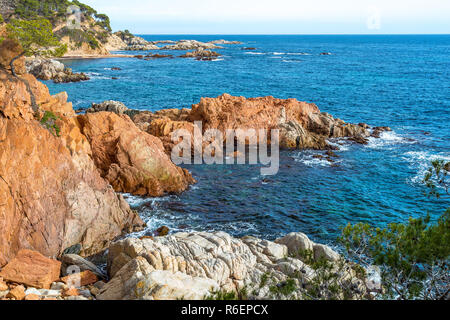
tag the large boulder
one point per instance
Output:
(51, 195)
(32, 269)
(131, 160)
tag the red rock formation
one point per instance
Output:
(228, 112)
(131, 160)
(51, 194)
(301, 124)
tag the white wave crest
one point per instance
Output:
(421, 162)
(388, 139)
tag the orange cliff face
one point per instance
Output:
(52, 194)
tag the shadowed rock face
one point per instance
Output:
(131, 160)
(51, 194)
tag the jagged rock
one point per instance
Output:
(301, 124)
(18, 293)
(68, 202)
(110, 105)
(131, 160)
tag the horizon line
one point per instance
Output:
(293, 34)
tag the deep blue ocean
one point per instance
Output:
(397, 81)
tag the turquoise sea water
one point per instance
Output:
(399, 81)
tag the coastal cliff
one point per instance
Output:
(51, 186)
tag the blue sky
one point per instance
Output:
(277, 16)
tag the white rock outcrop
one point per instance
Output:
(193, 265)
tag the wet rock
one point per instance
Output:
(116, 68)
(359, 140)
(249, 48)
(330, 153)
(159, 56)
(376, 131)
(162, 231)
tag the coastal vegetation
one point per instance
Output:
(94, 28)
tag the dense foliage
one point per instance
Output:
(36, 37)
(31, 9)
(55, 11)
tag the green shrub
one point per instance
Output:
(49, 122)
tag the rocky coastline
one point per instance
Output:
(61, 179)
